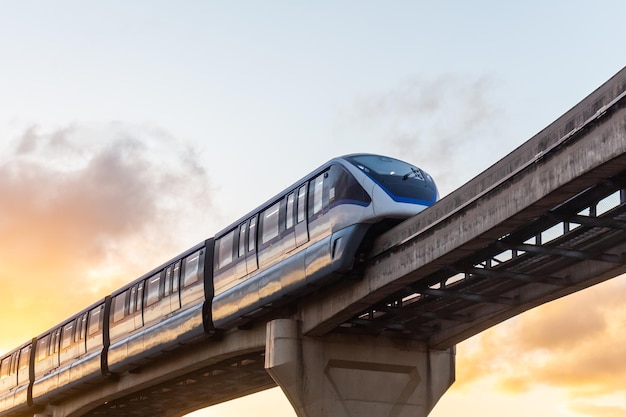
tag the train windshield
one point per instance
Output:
(402, 181)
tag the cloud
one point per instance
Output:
(576, 344)
(436, 123)
(86, 208)
(595, 410)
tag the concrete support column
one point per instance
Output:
(343, 375)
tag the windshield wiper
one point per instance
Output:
(414, 172)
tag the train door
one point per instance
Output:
(71, 338)
(156, 304)
(23, 369)
(252, 262)
(8, 378)
(240, 266)
(172, 274)
(83, 332)
(55, 343)
(136, 305)
(95, 322)
(302, 226)
(192, 279)
(288, 235)
(170, 288)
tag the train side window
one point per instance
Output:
(42, 347)
(24, 357)
(152, 291)
(242, 240)
(67, 335)
(225, 250)
(119, 306)
(176, 276)
(291, 199)
(192, 262)
(317, 186)
(301, 204)
(95, 320)
(341, 185)
(269, 223)
(252, 235)
(5, 367)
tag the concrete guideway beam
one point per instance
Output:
(347, 375)
(453, 228)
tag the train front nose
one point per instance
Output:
(404, 200)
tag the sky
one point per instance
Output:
(130, 131)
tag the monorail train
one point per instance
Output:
(314, 231)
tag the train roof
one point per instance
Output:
(278, 196)
(293, 186)
(72, 317)
(161, 267)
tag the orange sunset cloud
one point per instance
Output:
(85, 210)
(575, 344)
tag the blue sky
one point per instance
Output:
(202, 110)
